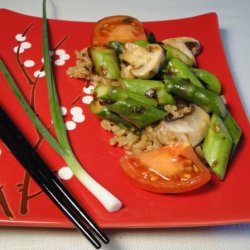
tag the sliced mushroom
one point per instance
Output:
(144, 63)
(188, 45)
(192, 128)
(126, 71)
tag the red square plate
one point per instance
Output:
(22, 203)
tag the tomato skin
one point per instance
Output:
(138, 168)
(117, 28)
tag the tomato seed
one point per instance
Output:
(196, 169)
(185, 177)
(153, 178)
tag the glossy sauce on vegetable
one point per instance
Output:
(170, 169)
(175, 168)
(117, 28)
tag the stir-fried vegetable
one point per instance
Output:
(200, 96)
(111, 93)
(117, 28)
(143, 62)
(105, 62)
(159, 89)
(217, 146)
(151, 88)
(172, 52)
(170, 169)
(210, 80)
(136, 113)
(191, 128)
(101, 110)
(187, 45)
(178, 68)
(233, 129)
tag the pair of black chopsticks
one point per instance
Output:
(47, 180)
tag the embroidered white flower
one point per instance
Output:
(77, 114)
(64, 111)
(29, 63)
(87, 99)
(70, 125)
(25, 45)
(18, 49)
(39, 73)
(88, 90)
(20, 37)
(63, 56)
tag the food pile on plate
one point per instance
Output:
(168, 115)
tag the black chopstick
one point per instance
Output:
(47, 180)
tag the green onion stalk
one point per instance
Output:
(61, 145)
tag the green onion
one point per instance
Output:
(53, 98)
(61, 145)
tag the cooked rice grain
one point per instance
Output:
(131, 142)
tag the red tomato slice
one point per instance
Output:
(170, 169)
(117, 28)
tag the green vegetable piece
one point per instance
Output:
(210, 80)
(110, 93)
(180, 69)
(233, 129)
(143, 98)
(152, 88)
(101, 111)
(208, 100)
(217, 146)
(142, 43)
(172, 52)
(105, 62)
(96, 107)
(54, 103)
(137, 113)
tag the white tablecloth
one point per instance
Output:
(234, 21)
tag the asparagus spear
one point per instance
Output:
(210, 80)
(111, 93)
(137, 113)
(217, 146)
(152, 88)
(101, 111)
(142, 43)
(233, 129)
(105, 62)
(200, 96)
(178, 68)
(172, 52)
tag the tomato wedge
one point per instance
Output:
(117, 28)
(170, 169)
